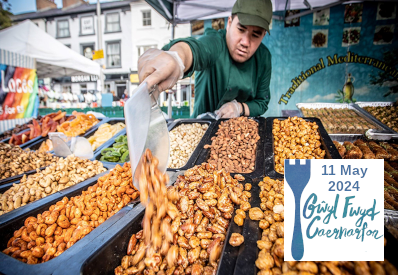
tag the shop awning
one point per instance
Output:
(53, 59)
(189, 10)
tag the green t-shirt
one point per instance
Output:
(219, 79)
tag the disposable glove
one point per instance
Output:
(229, 110)
(164, 68)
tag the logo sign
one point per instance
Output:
(98, 54)
(334, 210)
(84, 78)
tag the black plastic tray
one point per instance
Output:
(112, 246)
(36, 145)
(326, 144)
(26, 208)
(18, 177)
(10, 265)
(108, 144)
(111, 121)
(195, 154)
(259, 164)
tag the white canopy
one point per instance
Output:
(53, 59)
(189, 10)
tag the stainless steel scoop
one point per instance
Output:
(380, 135)
(146, 128)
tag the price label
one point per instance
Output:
(340, 210)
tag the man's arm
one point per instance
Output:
(185, 53)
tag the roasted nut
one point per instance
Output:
(238, 219)
(236, 239)
(256, 214)
(183, 141)
(52, 232)
(241, 135)
(245, 206)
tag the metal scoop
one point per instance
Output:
(380, 135)
(146, 128)
(65, 146)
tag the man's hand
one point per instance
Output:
(160, 67)
(229, 110)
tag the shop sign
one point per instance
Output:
(87, 25)
(334, 210)
(98, 54)
(134, 78)
(84, 78)
(19, 90)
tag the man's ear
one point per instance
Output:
(229, 22)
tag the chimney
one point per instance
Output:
(42, 5)
(72, 3)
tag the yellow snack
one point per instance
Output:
(77, 126)
(104, 133)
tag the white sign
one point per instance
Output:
(84, 78)
(341, 210)
(87, 25)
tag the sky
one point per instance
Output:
(24, 6)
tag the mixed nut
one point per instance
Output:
(59, 175)
(50, 233)
(184, 229)
(15, 161)
(183, 141)
(295, 138)
(234, 146)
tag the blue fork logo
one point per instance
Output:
(297, 176)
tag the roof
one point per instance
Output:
(51, 13)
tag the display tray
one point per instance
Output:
(259, 164)
(341, 137)
(36, 145)
(326, 144)
(195, 154)
(26, 144)
(108, 144)
(360, 107)
(111, 121)
(115, 241)
(60, 194)
(245, 263)
(10, 265)
(18, 177)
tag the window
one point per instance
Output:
(86, 25)
(146, 18)
(87, 50)
(113, 54)
(112, 22)
(68, 45)
(83, 88)
(142, 49)
(63, 28)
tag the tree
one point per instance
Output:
(391, 59)
(5, 20)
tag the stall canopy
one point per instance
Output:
(188, 10)
(53, 59)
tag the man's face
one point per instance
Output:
(243, 41)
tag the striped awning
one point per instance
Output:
(16, 60)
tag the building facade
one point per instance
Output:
(129, 28)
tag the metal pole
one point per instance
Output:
(170, 107)
(99, 47)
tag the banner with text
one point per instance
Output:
(18, 92)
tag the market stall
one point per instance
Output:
(230, 242)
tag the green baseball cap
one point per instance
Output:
(254, 12)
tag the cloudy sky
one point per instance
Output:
(24, 6)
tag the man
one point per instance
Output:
(233, 67)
